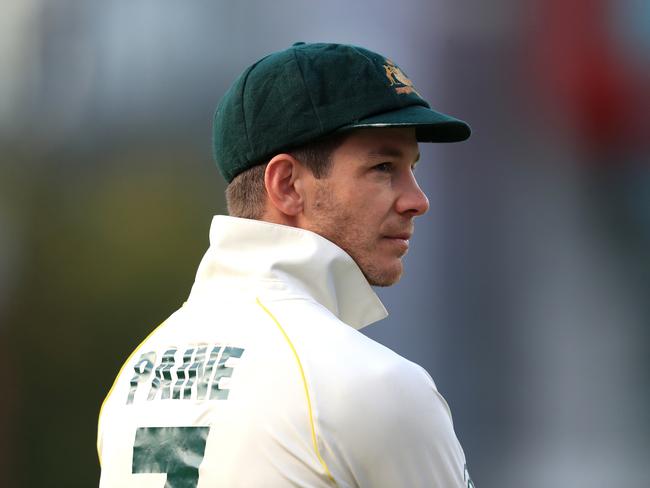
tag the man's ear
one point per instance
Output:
(283, 182)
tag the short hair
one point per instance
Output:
(246, 193)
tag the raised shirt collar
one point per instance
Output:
(302, 262)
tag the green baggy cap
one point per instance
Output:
(295, 96)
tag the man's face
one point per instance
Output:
(367, 203)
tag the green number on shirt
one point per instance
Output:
(177, 451)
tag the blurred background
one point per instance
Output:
(527, 288)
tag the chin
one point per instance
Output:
(385, 276)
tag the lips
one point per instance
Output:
(398, 237)
(399, 241)
(402, 235)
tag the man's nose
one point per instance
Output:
(413, 200)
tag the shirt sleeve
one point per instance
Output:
(397, 431)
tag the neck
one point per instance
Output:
(274, 216)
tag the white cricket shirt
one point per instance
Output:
(262, 379)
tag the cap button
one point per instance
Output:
(300, 43)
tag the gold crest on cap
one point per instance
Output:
(398, 79)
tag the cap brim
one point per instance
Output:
(431, 126)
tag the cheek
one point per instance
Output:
(372, 199)
(375, 208)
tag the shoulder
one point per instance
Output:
(345, 367)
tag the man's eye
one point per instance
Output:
(383, 167)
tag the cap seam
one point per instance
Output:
(394, 95)
(358, 51)
(304, 83)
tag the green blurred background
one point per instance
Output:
(105, 254)
(526, 293)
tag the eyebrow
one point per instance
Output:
(389, 151)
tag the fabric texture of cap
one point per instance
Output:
(308, 91)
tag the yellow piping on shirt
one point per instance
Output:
(101, 409)
(304, 384)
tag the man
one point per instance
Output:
(262, 379)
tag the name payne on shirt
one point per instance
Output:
(199, 372)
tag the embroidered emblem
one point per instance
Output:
(398, 79)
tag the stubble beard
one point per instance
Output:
(336, 222)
